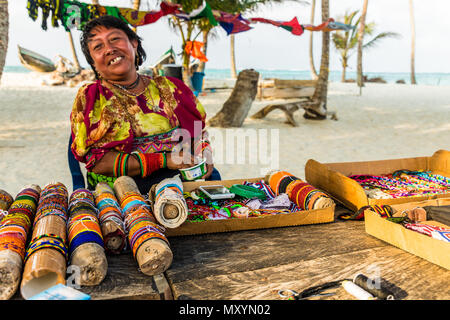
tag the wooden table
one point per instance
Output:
(256, 264)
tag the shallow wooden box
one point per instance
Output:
(434, 250)
(270, 221)
(333, 177)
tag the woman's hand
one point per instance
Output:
(179, 160)
(209, 168)
(105, 165)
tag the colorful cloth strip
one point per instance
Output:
(232, 23)
(292, 26)
(384, 211)
(194, 49)
(441, 235)
(425, 228)
(77, 14)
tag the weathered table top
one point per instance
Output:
(256, 264)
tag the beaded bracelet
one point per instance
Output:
(55, 243)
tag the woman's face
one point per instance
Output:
(113, 53)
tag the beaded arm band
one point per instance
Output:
(54, 242)
(149, 163)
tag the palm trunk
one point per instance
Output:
(186, 58)
(344, 70)
(4, 26)
(362, 25)
(233, 58)
(314, 75)
(413, 42)
(95, 2)
(136, 5)
(202, 65)
(318, 108)
(74, 53)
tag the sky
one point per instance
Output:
(266, 46)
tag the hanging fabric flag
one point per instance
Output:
(329, 25)
(47, 6)
(194, 49)
(335, 25)
(139, 18)
(77, 14)
(232, 23)
(292, 26)
(204, 11)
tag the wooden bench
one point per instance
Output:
(270, 89)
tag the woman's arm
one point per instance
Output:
(110, 163)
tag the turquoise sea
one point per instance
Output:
(334, 76)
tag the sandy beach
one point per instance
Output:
(387, 121)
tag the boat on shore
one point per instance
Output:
(35, 61)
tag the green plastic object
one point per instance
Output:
(247, 192)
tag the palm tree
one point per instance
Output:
(233, 58)
(362, 24)
(4, 26)
(317, 108)
(413, 41)
(314, 75)
(345, 42)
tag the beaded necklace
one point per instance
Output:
(132, 86)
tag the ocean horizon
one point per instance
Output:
(425, 78)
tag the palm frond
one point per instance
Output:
(372, 43)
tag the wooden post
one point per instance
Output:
(235, 109)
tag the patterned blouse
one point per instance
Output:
(104, 118)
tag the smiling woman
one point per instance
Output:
(127, 124)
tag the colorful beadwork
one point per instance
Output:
(15, 226)
(52, 201)
(5, 200)
(405, 183)
(140, 224)
(83, 225)
(109, 211)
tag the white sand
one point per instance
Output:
(388, 121)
